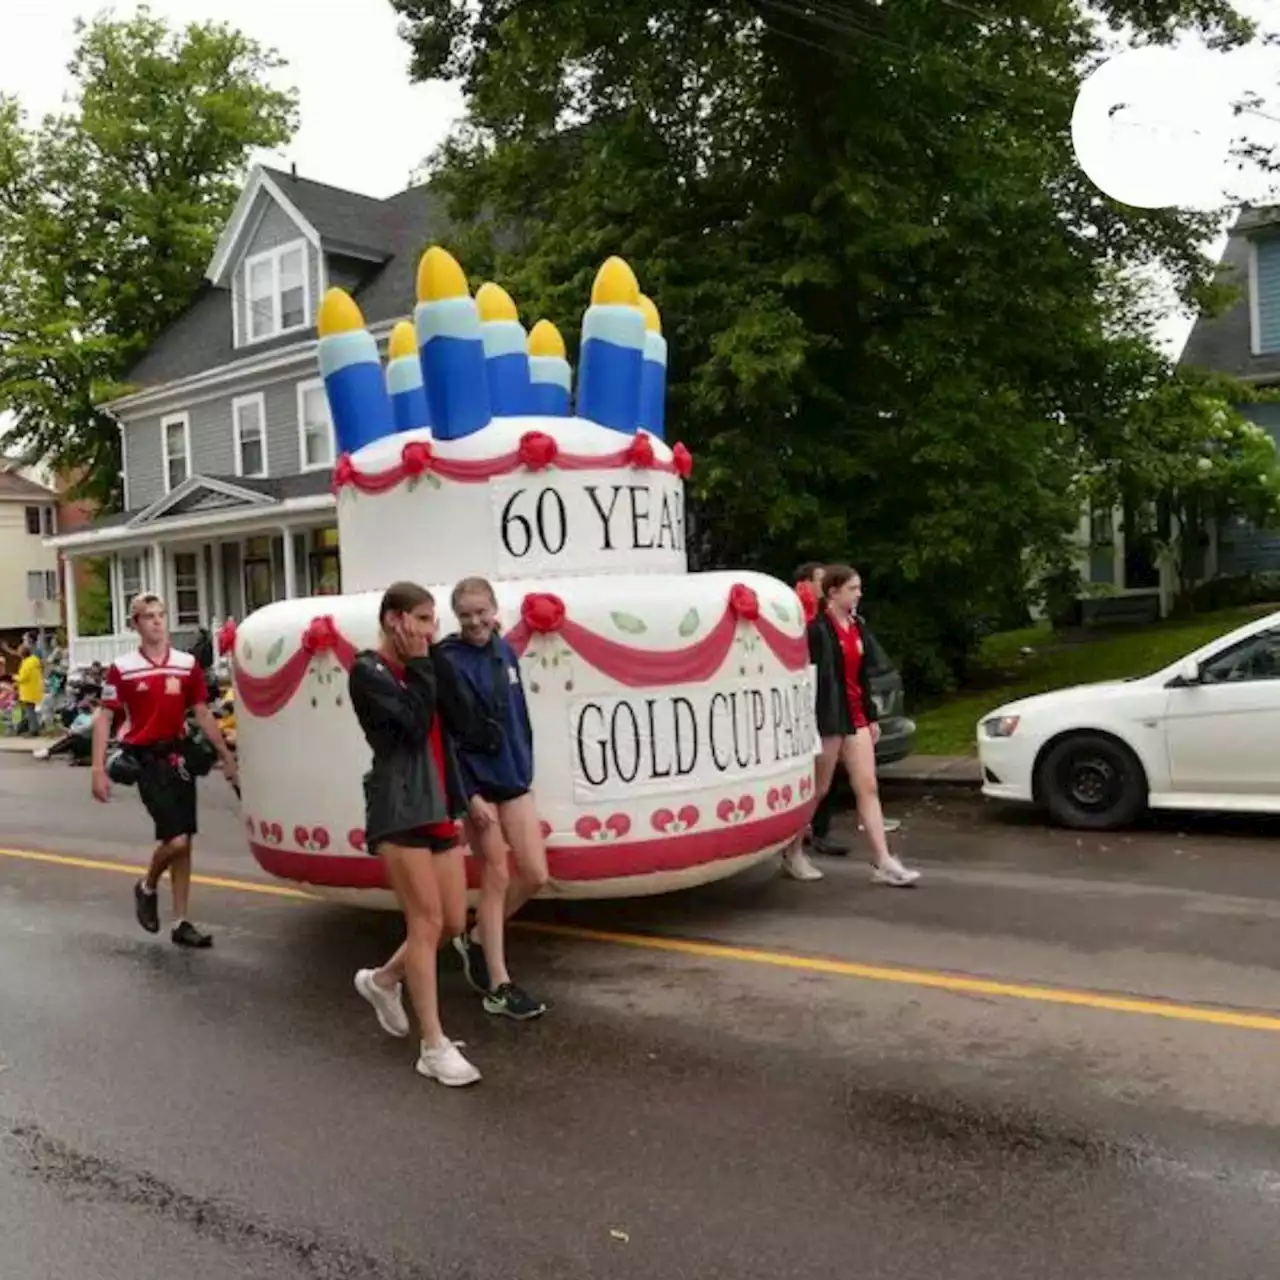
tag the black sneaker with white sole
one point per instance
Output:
(511, 1001)
(185, 934)
(474, 964)
(832, 848)
(147, 906)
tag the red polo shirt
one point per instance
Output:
(851, 646)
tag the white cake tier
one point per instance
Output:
(410, 506)
(672, 716)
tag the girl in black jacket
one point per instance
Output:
(410, 707)
(846, 714)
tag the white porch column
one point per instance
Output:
(158, 584)
(218, 606)
(290, 567)
(69, 602)
(118, 606)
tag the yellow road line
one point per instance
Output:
(958, 984)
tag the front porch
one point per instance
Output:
(212, 549)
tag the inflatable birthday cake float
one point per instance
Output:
(672, 712)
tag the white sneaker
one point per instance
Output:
(387, 1004)
(893, 873)
(446, 1064)
(890, 826)
(41, 754)
(795, 862)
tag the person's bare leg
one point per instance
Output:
(414, 880)
(824, 768)
(180, 877)
(491, 911)
(523, 831)
(859, 756)
(393, 971)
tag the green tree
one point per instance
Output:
(895, 304)
(1186, 452)
(109, 213)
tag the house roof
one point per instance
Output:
(15, 487)
(1223, 343)
(386, 237)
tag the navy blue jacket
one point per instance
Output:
(490, 675)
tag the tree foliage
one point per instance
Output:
(896, 306)
(109, 213)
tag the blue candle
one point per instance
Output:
(447, 325)
(358, 400)
(549, 373)
(506, 360)
(409, 408)
(612, 350)
(653, 373)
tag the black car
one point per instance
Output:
(897, 732)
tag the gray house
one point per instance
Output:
(226, 440)
(1119, 549)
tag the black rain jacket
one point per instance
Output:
(831, 697)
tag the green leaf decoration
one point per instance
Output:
(273, 654)
(630, 623)
(433, 480)
(247, 648)
(413, 482)
(781, 612)
(689, 623)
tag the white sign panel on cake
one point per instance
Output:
(690, 739)
(564, 522)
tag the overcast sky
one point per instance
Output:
(363, 125)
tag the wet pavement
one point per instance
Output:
(679, 1113)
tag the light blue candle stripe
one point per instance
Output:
(551, 370)
(503, 338)
(404, 373)
(619, 325)
(446, 318)
(338, 350)
(655, 348)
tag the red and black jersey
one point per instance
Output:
(154, 696)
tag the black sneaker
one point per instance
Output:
(511, 1002)
(148, 908)
(474, 964)
(832, 848)
(187, 935)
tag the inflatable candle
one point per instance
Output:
(672, 712)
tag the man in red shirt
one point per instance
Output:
(154, 687)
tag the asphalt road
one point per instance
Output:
(738, 1084)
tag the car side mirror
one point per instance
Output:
(1189, 673)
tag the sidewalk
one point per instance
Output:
(27, 745)
(933, 771)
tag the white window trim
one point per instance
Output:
(273, 256)
(165, 423)
(1255, 307)
(312, 384)
(202, 587)
(124, 597)
(259, 399)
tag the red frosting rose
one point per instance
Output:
(344, 471)
(808, 600)
(321, 634)
(640, 451)
(542, 612)
(744, 602)
(683, 460)
(415, 457)
(227, 636)
(537, 450)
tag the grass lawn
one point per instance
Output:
(947, 728)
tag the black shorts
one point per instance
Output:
(418, 840)
(502, 795)
(169, 797)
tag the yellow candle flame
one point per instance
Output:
(545, 340)
(615, 284)
(338, 314)
(495, 303)
(440, 276)
(652, 320)
(403, 341)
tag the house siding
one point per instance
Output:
(144, 461)
(1268, 281)
(1244, 549)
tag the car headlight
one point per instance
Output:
(1000, 726)
(881, 704)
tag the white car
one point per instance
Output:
(1203, 733)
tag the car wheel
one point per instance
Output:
(1092, 782)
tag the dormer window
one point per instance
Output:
(1264, 289)
(276, 291)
